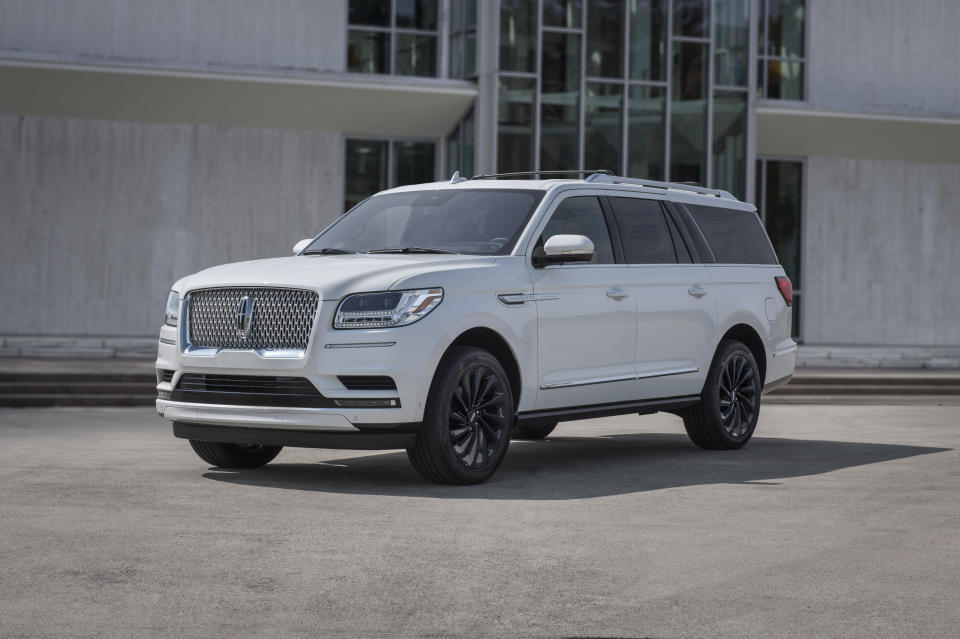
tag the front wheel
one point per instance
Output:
(729, 405)
(467, 419)
(225, 455)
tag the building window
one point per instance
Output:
(780, 205)
(460, 148)
(653, 89)
(393, 37)
(782, 50)
(463, 38)
(375, 165)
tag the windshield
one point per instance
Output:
(473, 222)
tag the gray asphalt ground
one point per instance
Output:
(835, 521)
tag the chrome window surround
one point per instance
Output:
(281, 324)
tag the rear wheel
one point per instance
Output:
(729, 405)
(225, 455)
(533, 431)
(467, 420)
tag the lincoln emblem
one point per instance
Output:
(245, 317)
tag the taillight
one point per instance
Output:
(786, 288)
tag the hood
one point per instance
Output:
(332, 275)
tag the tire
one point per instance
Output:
(729, 405)
(467, 420)
(224, 455)
(533, 431)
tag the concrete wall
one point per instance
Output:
(884, 55)
(295, 34)
(882, 246)
(99, 217)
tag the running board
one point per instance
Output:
(606, 410)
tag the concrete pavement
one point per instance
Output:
(836, 521)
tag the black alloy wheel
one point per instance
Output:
(738, 393)
(478, 417)
(729, 406)
(467, 420)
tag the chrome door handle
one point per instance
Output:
(697, 291)
(616, 293)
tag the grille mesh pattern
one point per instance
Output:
(281, 319)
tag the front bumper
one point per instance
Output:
(409, 355)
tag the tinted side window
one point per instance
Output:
(581, 216)
(736, 237)
(643, 230)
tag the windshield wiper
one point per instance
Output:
(329, 251)
(412, 249)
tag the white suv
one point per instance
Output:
(447, 318)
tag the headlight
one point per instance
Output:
(387, 309)
(173, 309)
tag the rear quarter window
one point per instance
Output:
(735, 237)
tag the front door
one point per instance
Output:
(586, 315)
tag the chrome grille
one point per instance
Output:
(281, 318)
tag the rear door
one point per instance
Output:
(676, 310)
(586, 313)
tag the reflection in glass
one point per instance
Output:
(784, 184)
(368, 52)
(559, 101)
(454, 161)
(562, 13)
(604, 127)
(785, 28)
(645, 128)
(690, 18)
(784, 80)
(515, 125)
(731, 41)
(413, 162)
(605, 38)
(688, 113)
(648, 37)
(417, 14)
(467, 170)
(730, 142)
(375, 13)
(518, 35)
(416, 55)
(456, 55)
(366, 170)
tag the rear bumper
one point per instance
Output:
(355, 440)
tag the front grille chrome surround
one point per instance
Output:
(262, 319)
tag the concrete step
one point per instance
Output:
(89, 386)
(48, 400)
(867, 389)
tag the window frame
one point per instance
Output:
(391, 141)
(393, 31)
(764, 58)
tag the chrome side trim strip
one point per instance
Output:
(677, 371)
(620, 378)
(589, 382)
(789, 349)
(164, 340)
(360, 345)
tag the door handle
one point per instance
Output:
(616, 293)
(697, 291)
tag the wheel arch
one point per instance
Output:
(495, 344)
(749, 337)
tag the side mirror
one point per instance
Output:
(562, 249)
(302, 244)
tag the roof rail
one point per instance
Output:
(491, 176)
(676, 186)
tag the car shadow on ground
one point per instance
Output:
(581, 467)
